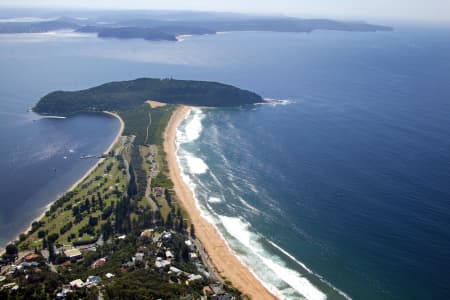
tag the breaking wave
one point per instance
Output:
(286, 283)
(271, 264)
(196, 165)
(193, 128)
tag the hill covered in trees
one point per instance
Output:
(125, 95)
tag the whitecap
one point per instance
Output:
(275, 102)
(214, 200)
(247, 205)
(183, 37)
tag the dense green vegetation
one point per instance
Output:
(136, 120)
(159, 118)
(126, 95)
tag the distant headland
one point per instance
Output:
(169, 26)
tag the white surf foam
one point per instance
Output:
(284, 282)
(273, 272)
(275, 102)
(193, 187)
(240, 230)
(196, 165)
(247, 205)
(214, 200)
(193, 129)
(41, 117)
(183, 37)
(343, 294)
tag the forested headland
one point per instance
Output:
(126, 95)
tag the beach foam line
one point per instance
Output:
(183, 37)
(240, 230)
(193, 129)
(340, 292)
(275, 102)
(52, 117)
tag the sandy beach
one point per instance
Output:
(118, 135)
(226, 263)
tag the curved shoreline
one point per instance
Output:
(73, 186)
(226, 263)
(111, 146)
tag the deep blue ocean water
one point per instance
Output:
(342, 191)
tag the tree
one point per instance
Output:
(22, 237)
(169, 221)
(192, 231)
(168, 196)
(93, 221)
(35, 226)
(52, 238)
(107, 230)
(75, 210)
(11, 250)
(180, 227)
(185, 253)
(132, 187)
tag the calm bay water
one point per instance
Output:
(40, 160)
(342, 192)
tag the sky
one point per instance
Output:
(424, 10)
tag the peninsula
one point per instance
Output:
(130, 228)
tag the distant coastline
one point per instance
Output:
(164, 29)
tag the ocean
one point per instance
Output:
(338, 191)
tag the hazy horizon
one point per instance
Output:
(414, 10)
